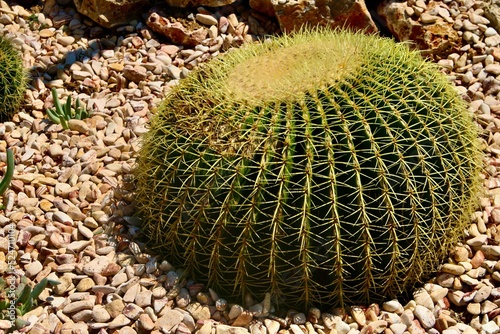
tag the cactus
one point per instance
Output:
(13, 79)
(62, 114)
(327, 168)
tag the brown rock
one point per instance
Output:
(135, 73)
(435, 40)
(110, 13)
(477, 260)
(351, 14)
(175, 31)
(263, 6)
(243, 320)
(198, 3)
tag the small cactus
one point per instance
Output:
(13, 79)
(327, 168)
(61, 114)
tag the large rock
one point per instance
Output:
(111, 13)
(294, 14)
(175, 31)
(492, 13)
(431, 34)
(198, 3)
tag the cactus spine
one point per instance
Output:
(326, 168)
(13, 79)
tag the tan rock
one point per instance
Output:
(351, 14)
(198, 3)
(175, 31)
(435, 40)
(170, 320)
(110, 13)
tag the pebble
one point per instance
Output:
(119, 321)
(206, 19)
(170, 320)
(78, 306)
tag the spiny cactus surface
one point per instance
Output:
(13, 79)
(327, 168)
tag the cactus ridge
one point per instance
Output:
(348, 192)
(13, 79)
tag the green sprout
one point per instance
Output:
(4, 184)
(62, 114)
(26, 299)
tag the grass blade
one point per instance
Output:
(4, 184)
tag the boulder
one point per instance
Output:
(434, 36)
(294, 14)
(198, 3)
(263, 6)
(492, 13)
(111, 13)
(175, 31)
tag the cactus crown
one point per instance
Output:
(345, 181)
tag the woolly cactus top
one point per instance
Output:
(325, 168)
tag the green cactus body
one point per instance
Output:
(13, 79)
(327, 168)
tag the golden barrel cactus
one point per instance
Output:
(325, 168)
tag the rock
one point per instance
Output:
(135, 73)
(120, 321)
(493, 69)
(453, 269)
(359, 316)
(490, 328)
(169, 320)
(97, 265)
(225, 329)
(295, 329)
(132, 311)
(482, 294)
(423, 298)
(85, 284)
(425, 316)
(474, 308)
(145, 323)
(33, 268)
(115, 307)
(393, 306)
(198, 3)
(65, 283)
(244, 319)
(398, 328)
(78, 125)
(198, 311)
(272, 326)
(143, 298)
(78, 306)
(351, 14)
(264, 6)
(100, 314)
(235, 311)
(175, 31)
(206, 19)
(111, 13)
(435, 40)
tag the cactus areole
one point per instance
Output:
(327, 168)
